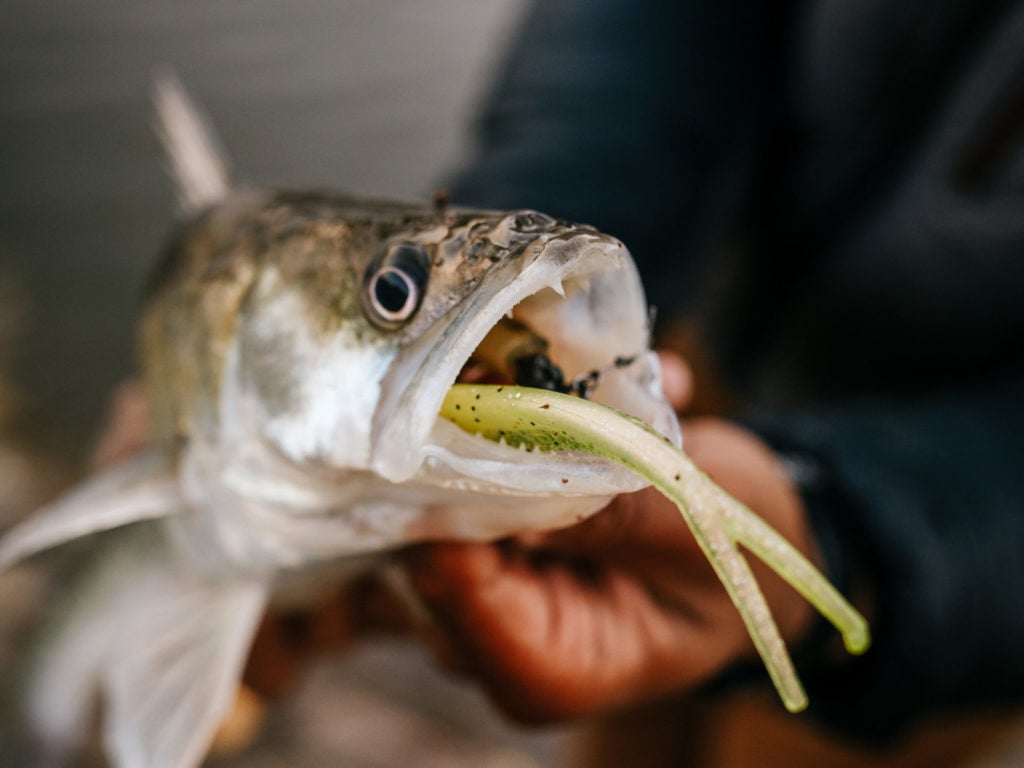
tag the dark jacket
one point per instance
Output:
(834, 192)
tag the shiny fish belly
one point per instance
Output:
(296, 349)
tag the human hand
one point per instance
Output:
(618, 609)
(287, 641)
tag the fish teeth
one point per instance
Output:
(557, 288)
(509, 313)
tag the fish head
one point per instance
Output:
(570, 285)
(329, 330)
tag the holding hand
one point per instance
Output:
(620, 608)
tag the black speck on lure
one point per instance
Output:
(549, 421)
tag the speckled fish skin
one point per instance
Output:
(294, 425)
(258, 247)
(290, 430)
(261, 362)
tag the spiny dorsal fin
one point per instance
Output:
(195, 159)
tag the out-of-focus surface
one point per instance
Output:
(368, 96)
(371, 97)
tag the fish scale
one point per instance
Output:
(295, 423)
(297, 348)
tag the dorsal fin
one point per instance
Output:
(195, 160)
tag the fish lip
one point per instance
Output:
(422, 373)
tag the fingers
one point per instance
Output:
(676, 379)
(751, 472)
(555, 639)
(635, 531)
(501, 617)
(289, 641)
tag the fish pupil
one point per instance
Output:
(392, 290)
(395, 283)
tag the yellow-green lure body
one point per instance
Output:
(549, 421)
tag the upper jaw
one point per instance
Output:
(602, 316)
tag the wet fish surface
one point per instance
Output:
(296, 349)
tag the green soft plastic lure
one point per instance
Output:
(548, 421)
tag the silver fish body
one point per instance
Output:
(309, 424)
(296, 349)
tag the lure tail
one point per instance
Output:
(538, 419)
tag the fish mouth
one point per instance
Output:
(579, 292)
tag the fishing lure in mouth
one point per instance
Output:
(513, 352)
(550, 421)
(299, 351)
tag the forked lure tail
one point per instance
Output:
(542, 420)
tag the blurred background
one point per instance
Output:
(375, 98)
(372, 97)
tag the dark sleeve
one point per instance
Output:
(896, 258)
(920, 500)
(620, 113)
(921, 508)
(641, 117)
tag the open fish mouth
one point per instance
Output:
(578, 294)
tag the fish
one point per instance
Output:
(296, 347)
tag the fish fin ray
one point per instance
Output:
(142, 488)
(185, 643)
(164, 645)
(196, 162)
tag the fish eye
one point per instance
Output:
(393, 294)
(394, 285)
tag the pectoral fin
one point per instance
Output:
(165, 646)
(143, 488)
